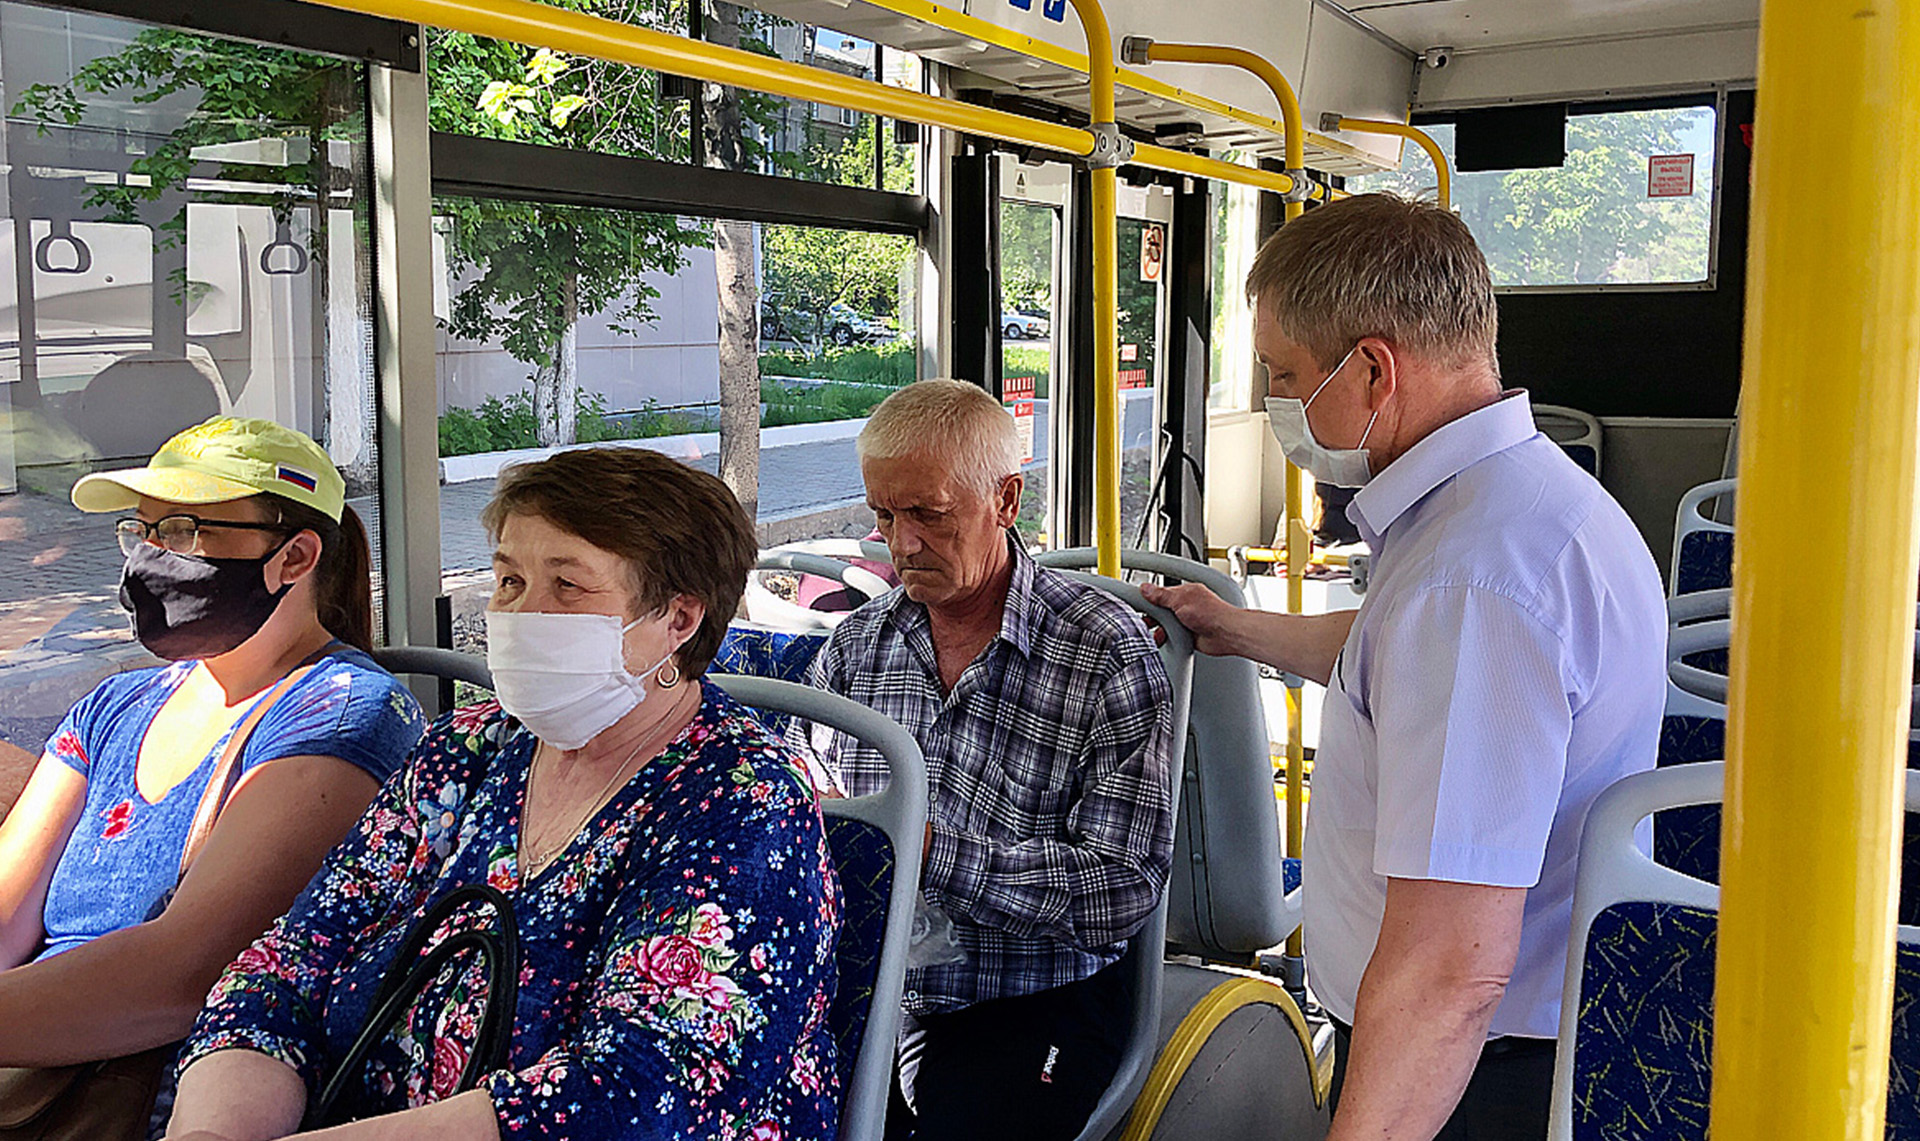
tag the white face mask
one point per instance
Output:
(564, 676)
(1340, 467)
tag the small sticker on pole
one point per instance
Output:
(1153, 252)
(1670, 176)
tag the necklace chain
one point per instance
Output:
(535, 860)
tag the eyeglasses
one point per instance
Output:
(177, 533)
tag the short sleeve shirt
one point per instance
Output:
(1506, 666)
(124, 854)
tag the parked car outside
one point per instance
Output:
(1020, 326)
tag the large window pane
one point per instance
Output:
(634, 358)
(1632, 204)
(189, 229)
(1236, 229)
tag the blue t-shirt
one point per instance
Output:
(124, 853)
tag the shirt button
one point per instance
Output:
(913, 996)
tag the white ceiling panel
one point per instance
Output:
(1472, 24)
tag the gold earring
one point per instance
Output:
(668, 675)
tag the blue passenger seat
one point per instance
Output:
(1636, 1033)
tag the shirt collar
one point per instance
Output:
(1016, 619)
(1445, 452)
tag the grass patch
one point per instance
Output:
(505, 423)
(816, 403)
(1035, 361)
(892, 364)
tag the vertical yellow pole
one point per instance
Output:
(1817, 738)
(1106, 333)
(1299, 546)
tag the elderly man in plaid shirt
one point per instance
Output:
(1044, 712)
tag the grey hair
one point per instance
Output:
(959, 422)
(1376, 265)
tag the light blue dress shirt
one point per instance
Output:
(1506, 666)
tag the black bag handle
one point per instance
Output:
(411, 974)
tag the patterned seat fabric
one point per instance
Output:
(1706, 562)
(863, 858)
(1688, 839)
(756, 652)
(1643, 1046)
(1289, 875)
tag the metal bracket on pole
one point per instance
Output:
(1110, 147)
(1330, 121)
(1136, 51)
(1304, 187)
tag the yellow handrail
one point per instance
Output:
(1155, 51)
(1819, 698)
(541, 25)
(1105, 179)
(578, 33)
(1405, 131)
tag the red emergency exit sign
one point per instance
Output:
(1670, 176)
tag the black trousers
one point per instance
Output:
(1012, 1069)
(1506, 1099)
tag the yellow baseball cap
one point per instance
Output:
(219, 461)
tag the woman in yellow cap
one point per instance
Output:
(178, 810)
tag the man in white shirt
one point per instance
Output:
(1507, 665)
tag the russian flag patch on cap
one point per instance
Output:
(306, 481)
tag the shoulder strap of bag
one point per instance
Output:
(226, 770)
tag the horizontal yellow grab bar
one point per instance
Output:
(576, 33)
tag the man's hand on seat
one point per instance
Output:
(1214, 622)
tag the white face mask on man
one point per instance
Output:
(564, 676)
(1339, 467)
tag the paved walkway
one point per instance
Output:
(62, 628)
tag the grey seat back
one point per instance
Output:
(1146, 951)
(876, 842)
(1227, 897)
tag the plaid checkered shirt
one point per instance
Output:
(1049, 765)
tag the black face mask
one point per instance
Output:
(191, 606)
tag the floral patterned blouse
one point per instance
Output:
(677, 957)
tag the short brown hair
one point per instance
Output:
(681, 531)
(1376, 265)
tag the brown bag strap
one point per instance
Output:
(226, 770)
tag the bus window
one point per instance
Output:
(1141, 316)
(627, 350)
(1031, 214)
(1631, 205)
(1236, 238)
(173, 257)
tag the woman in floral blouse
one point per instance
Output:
(666, 862)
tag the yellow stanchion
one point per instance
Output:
(1419, 137)
(1101, 69)
(1819, 699)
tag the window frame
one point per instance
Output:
(1715, 97)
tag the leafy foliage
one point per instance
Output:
(245, 92)
(533, 269)
(809, 270)
(1026, 255)
(503, 424)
